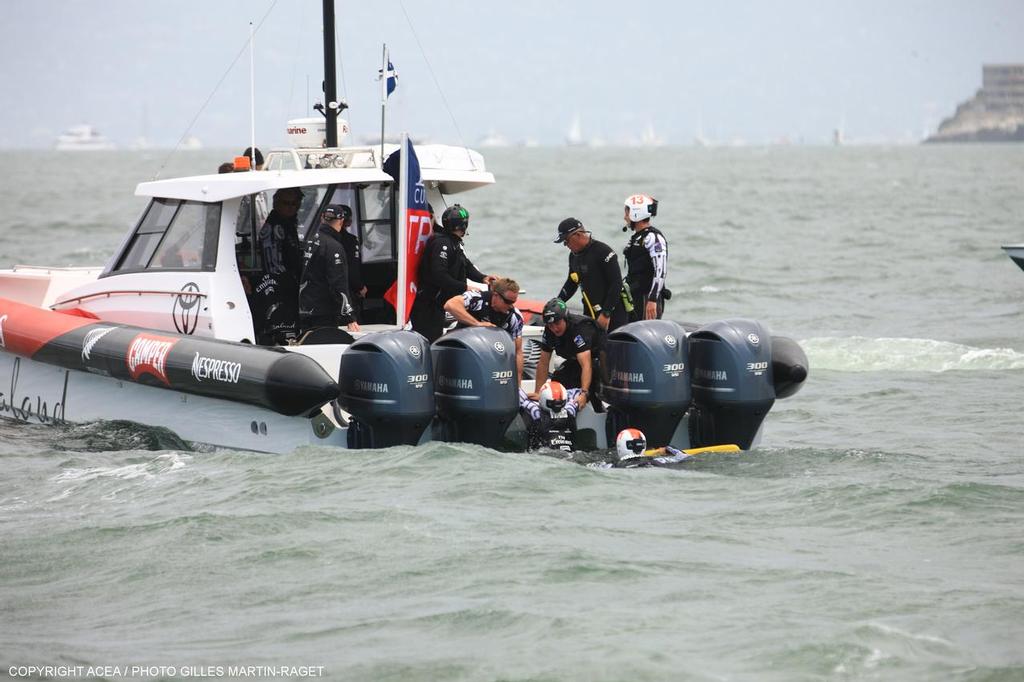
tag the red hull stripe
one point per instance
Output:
(24, 329)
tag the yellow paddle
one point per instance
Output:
(730, 447)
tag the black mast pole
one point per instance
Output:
(330, 77)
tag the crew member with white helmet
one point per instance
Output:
(551, 419)
(646, 256)
(631, 451)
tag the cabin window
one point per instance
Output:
(376, 227)
(309, 210)
(247, 226)
(174, 235)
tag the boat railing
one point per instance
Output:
(315, 157)
(128, 292)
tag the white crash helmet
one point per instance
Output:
(630, 443)
(640, 207)
(552, 397)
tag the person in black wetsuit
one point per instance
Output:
(324, 295)
(356, 286)
(646, 256)
(594, 266)
(442, 273)
(579, 341)
(276, 295)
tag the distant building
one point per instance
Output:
(994, 114)
(1002, 87)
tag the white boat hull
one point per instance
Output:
(36, 392)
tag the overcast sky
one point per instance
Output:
(885, 70)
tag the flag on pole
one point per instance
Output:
(415, 229)
(389, 76)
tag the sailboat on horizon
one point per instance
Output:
(574, 138)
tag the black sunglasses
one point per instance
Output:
(502, 297)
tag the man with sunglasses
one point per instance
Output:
(495, 307)
(442, 273)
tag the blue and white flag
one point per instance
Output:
(391, 78)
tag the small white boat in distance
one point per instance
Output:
(83, 138)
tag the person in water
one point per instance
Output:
(646, 256)
(551, 418)
(631, 451)
(594, 267)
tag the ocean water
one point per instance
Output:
(875, 534)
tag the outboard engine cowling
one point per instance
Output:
(386, 382)
(475, 385)
(733, 387)
(647, 379)
(789, 366)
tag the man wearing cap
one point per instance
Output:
(442, 273)
(579, 341)
(356, 286)
(593, 266)
(324, 295)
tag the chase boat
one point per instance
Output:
(163, 334)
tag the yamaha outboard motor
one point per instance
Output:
(789, 366)
(647, 380)
(733, 386)
(475, 385)
(387, 386)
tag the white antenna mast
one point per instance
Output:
(252, 97)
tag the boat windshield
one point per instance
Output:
(173, 235)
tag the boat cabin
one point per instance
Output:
(187, 263)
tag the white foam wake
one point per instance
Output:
(861, 354)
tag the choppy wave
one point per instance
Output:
(862, 354)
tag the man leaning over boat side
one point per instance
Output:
(278, 290)
(442, 273)
(325, 299)
(646, 256)
(495, 307)
(594, 268)
(580, 342)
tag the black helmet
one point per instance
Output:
(455, 218)
(555, 310)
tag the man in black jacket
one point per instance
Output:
(325, 299)
(594, 266)
(443, 270)
(276, 294)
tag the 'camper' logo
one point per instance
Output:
(147, 354)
